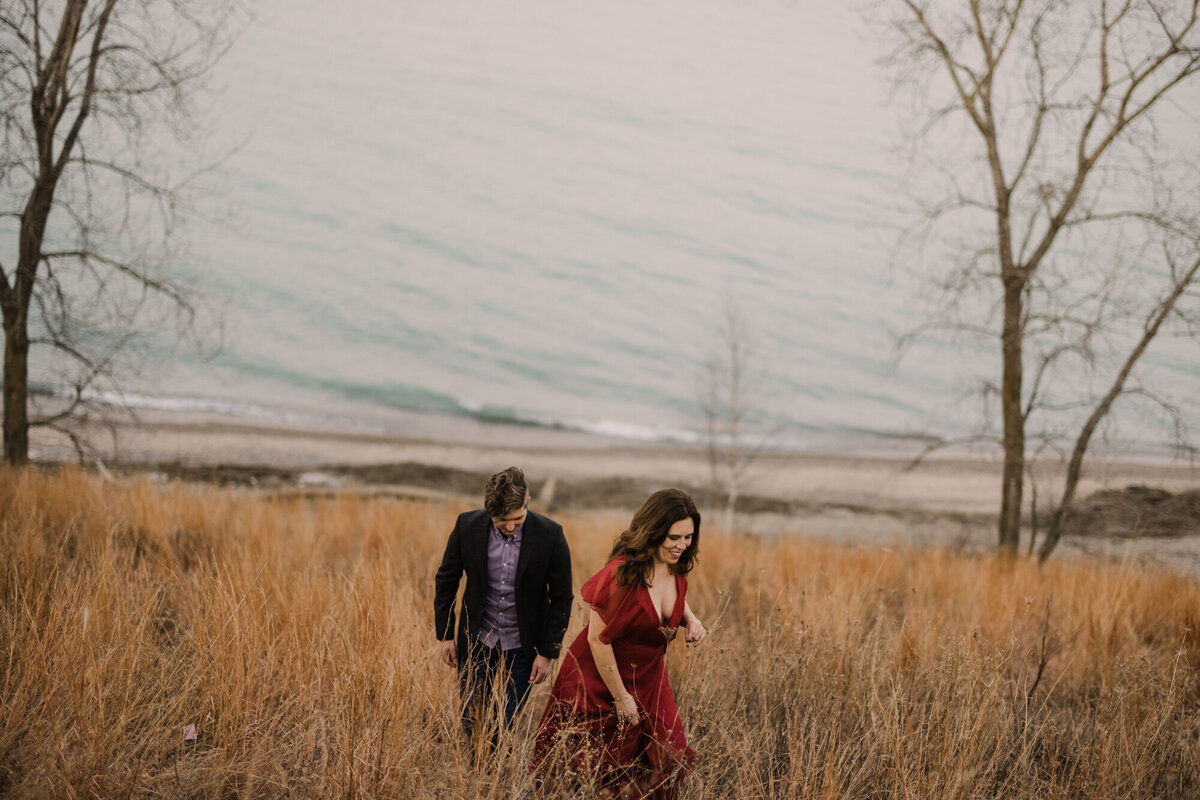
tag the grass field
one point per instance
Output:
(295, 635)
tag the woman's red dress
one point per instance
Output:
(580, 728)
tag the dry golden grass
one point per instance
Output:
(296, 636)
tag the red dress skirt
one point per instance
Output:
(580, 730)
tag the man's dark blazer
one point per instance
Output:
(543, 583)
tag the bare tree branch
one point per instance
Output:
(1052, 262)
(160, 286)
(1153, 323)
(79, 93)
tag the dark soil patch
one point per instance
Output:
(1135, 511)
(562, 495)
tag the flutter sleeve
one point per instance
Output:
(609, 599)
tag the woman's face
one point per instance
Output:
(679, 538)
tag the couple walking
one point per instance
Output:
(611, 714)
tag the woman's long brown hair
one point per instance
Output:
(648, 530)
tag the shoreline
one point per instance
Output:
(868, 498)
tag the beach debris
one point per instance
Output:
(318, 479)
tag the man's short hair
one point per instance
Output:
(506, 491)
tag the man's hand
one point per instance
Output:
(541, 668)
(449, 653)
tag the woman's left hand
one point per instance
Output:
(695, 632)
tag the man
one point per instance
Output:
(516, 604)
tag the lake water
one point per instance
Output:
(531, 212)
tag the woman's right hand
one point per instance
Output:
(627, 712)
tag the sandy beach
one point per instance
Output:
(865, 497)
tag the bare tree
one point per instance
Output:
(728, 385)
(90, 92)
(1071, 209)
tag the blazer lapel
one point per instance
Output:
(479, 549)
(529, 540)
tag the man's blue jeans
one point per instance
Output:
(488, 678)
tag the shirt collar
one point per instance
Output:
(514, 537)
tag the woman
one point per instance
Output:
(612, 713)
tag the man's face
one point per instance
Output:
(509, 523)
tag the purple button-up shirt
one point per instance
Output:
(499, 622)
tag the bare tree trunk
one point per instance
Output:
(726, 385)
(731, 507)
(1013, 479)
(16, 301)
(50, 98)
(16, 418)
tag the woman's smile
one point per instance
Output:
(679, 538)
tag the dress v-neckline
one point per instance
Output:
(654, 610)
